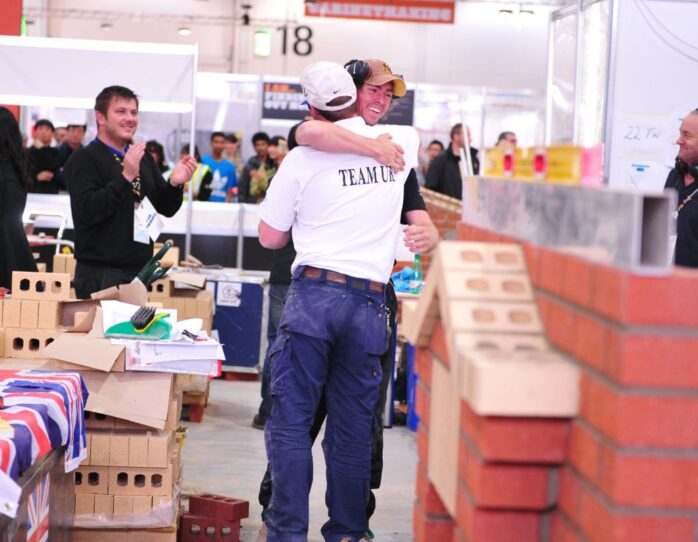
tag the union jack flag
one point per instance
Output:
(46, 410)
(38, 511)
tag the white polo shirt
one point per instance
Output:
(343, 209)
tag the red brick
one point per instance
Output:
(531, 256)
(636, 359)
(635, 478)
(561, 321)
(550, 268)
(423, 363)
(585, 453)
(570, 495)
(428, 497)
(458, 535)
(422, 445)
(516, 440)
(428, 529)
(505, 486)
(646, 300)
(423, 403)
(591, 341)
(601, 521)
(639, 419)
(464, 231)
(561, 530)
(577, 281)
(484, 525)
(437, 344)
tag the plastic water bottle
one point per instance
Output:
(416, 281)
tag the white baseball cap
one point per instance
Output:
(325, 81)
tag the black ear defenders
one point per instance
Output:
(683, 168)
(359, 71)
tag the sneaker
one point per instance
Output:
(258, 422)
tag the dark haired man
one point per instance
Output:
(683, 179)
(344, 211)
(507, 140)
(443, 175)
(224, 176)
(112, 182)
(44, 159)
(257, 166)
(75, 133)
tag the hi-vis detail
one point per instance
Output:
(366, 175)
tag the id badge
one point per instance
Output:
(140, 232)
(146, 218)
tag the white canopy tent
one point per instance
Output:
(70, 73)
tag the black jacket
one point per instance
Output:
(102, 203)
(443, 175)
(687, 221)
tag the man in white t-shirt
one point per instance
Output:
(344, 210)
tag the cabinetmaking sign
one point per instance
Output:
(407, 11)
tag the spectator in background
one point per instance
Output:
(260, 161)
(443, 174)
(432, 151)
(157, 151)
(506, 140)
(44, 159)
(200, 179)
(59, 135)
(225, 179)
(72, 142)
(232, 153)
(259, 182)
(15, 178)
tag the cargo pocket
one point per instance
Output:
(279, 360)
(376, 334)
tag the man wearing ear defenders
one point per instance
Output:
(683, 179)
(376, 86)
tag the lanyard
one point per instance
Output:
(119, 157)
(685, 201)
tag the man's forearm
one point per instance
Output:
(424, 236)
(325, 136)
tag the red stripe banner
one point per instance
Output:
(410, 11)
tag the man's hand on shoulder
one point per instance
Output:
(132, 161)
(183, 171)
(388, 153)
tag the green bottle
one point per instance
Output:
(416, 281)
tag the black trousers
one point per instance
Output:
(265, 487)
(91, 278)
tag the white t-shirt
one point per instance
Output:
(343, 209)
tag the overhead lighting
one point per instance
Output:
(106, 26)
(525, 11)
(184, 31)
(506, 11)
(262, 43)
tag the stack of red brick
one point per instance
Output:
(213, 517)
(630, 473)
(494, 402)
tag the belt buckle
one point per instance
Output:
(357, 283)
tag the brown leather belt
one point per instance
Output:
(333, 276)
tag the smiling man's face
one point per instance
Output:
(373, 102)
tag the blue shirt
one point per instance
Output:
(224, 177)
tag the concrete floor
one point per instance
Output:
(225, 455)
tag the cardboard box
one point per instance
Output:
(88, 352)
(92, 479)
(40, 286)
(134, 396)
(28, 343)
(184, 280)
(11, 312)
(94, 420)
(119, 535)
(49, 315)
(29, 314)
(2, 342)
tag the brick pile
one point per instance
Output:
(633, 449)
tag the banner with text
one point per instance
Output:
(283, 101)
(408, 11)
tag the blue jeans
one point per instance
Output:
(331, 336)
(277, 293)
